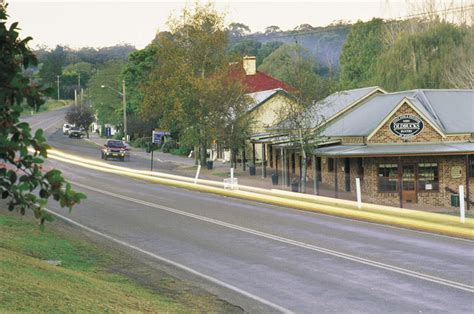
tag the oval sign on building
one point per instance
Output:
(406, 125)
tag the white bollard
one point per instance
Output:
(197, 174)
(461, 204)
(232, 177)
(359, 197)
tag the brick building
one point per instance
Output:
(407, 147)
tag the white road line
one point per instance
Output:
(350, 257)
(175, 264)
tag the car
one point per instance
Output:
(66, 128)
(76, 132)
(115, 149)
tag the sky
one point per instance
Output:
(102, 23)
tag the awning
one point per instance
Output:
(382, 150)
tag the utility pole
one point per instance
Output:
(75, 97)
(124, 111)
(58, 85)
(79, 81)
(82, 96)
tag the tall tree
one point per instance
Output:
(362, 47)
(22, 183)
(106, 102)
(181, 91)
(419, 60)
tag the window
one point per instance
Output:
(330, 164)
(428, 179)
(388, 178)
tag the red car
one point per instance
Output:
(115, 149)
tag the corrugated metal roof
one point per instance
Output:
(455, 109)
(259, 97)
(451, 111)
(395, 149)
(328, 107)
(361, 120)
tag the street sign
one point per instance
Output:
(157, 136)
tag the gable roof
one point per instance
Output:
(258, 98)
(258, 82)
(450, 111)
(334, 105)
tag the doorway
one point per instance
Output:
(408, 184)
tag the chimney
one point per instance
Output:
(250, 65)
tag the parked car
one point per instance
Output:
(76, 132)
(66, 128)
(115, 149)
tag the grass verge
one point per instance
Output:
(49, 105)
(81, 284)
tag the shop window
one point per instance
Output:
(428, 179)
(330, 164)
(388, 178)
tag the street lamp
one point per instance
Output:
(122, 93)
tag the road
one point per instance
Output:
(267, 258)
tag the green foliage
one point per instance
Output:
(136, 72)
(418, 60)
(141, 142)
(189, 90)
(21, 177)
(168, 146)
(82, 116)
(267, 49)
(245, 48)
(362, 47)
(52, 66)
(181, 151)
(106, 102)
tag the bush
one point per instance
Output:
(181, 151)
(168, 146)
(141, 142)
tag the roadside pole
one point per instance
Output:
(197, 174)
(151, 167)
(462, 213)
(232, 178)
(359, 198)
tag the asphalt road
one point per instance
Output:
(266, 258)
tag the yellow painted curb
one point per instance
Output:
(450, 229)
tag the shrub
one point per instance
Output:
(141, 142)
(168, 146)
(181, 151)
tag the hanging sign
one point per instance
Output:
(406, 125)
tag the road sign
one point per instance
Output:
(157, 136)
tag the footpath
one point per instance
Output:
(184, 166)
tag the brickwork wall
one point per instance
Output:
(385, 135)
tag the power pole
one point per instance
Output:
(79, 81)
(75, 97)
(124, 110)
(82, 96)
(58, 86)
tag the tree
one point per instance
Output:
(106, 102)
(52, 66)
(245, 48)
(22, 183)
(363, 46)
(419, 60)
(237, 30)
(272, 29)
(185, 90)
(300, 116)
(459, 71)
(81, 116)
(267, 49)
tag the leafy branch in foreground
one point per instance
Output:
(22, 181)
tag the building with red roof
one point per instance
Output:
(256, 81)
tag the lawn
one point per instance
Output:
(49, 105)
(81, 284)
